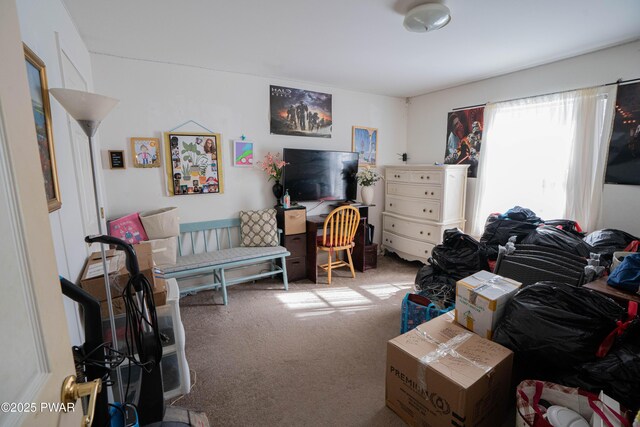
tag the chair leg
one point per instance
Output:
(329, 266)
(285, 280)
(223, 282)
(353, 272)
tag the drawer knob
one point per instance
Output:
(428, 234)
(393, 225)
(390, 204)
(424, 210)
(390, 241)
(430, 211)
(432, 193)
(421, 232)
(426, 193)
(422, 177)
(426, 252)
(428, 177)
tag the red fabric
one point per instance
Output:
(632, 312)
(492, 265)
(633, 246)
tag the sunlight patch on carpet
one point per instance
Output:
(386, 290)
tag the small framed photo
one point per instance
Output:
(364, 141)
(243, 154)
(116, 159)
(145, 152)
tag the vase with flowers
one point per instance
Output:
(367, 178)
(272, 165)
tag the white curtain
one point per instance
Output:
(546, 153)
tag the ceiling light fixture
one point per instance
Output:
(427, 17)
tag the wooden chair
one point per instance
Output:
(338, 233)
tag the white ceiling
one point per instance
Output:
(355, 44)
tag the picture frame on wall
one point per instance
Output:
(116, 159)
(145, 152)
(464, 138)
(364, 141)
(39, 91)
(194, 163)
(299, 112)
(243, 154)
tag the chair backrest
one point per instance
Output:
(340, 226)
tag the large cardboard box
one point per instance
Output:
(480, 301)
(118, 275)
(441, 375)
(92, 278)
(118, 304)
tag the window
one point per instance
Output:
(547, 154)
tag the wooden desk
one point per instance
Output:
(622, 297)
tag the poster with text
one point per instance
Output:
(299, 112)
(464, 138)
(623, 162)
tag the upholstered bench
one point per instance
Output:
(211, 247)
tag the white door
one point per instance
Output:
(35, 350)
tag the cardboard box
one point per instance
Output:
(441, 375)
(118, 304)
(119, 278)
(480, 301)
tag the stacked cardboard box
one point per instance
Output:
(481, 299)
(92, 278)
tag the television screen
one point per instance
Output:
(320, 175)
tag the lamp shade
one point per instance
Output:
(84, 105)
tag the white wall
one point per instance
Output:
(155, 98)
(427, 120)
(48, 30)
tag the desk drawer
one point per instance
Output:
(433, 192)
(296, 244)
(414, 230)
(422, 209)
(296, 268)
(295, 221)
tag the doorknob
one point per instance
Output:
(72, 391)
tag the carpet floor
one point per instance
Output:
(312, 356)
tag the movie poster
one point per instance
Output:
(464, 138)
(300, 112)
(623, 163)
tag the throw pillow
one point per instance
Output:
(259, 228)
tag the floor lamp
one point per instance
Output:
(89, 109)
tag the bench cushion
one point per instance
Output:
(223, 256)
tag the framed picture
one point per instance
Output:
(242, 154)
(194, 163)
(623, 161)
(37, 77)
(464, 138)
(145, 152)
(116, 159)
(364, 141)
(300, 112)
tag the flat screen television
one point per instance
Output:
(320, 175)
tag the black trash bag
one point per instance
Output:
(566, 225)
(518, 213)
(607, 241)
(552, 327)
(459, 255)
(552, 237)
(617, 374)
(498, 229)
(436, 285)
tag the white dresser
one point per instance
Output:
(421, 201)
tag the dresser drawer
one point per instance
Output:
(411, 190)
(423, 209)
(427, 177)
(411, 249)
(398, 175)
(296, 268)
(296, 244)
(414, 230)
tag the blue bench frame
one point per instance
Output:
(197, 230)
